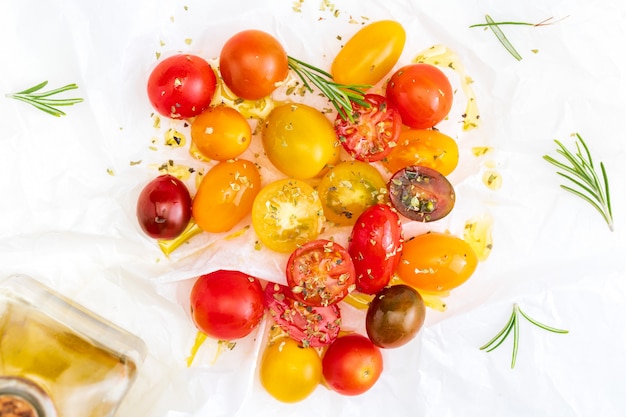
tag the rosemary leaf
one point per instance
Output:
(501, 336)
(543, 326)
(515, 337)
(502, 38)
(578, 168)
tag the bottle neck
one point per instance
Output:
(22, 397)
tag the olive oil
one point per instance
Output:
(84, 364)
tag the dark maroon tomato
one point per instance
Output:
(308, 325)
(181, 86)
(375, 247)
(164, 207)
(320, 273)
(374, 131)
(421, 193)
(395, 316)
(227, 305)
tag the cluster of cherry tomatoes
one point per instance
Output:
(377, 165)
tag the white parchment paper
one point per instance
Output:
(68, 188)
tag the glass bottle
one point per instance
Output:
(61, 358)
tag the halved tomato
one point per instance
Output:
(348, 188)
(420, 193)
(287, 213)
(314, 326)
(320, 273)
(374, 131)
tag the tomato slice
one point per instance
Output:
(348, 188)
(374, 131)
(287, 213)
(310, 325)
(420, 193)
(320, 273)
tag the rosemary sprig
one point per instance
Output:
(42, 100)
(341, 96)
(495, 28)
(579, 169)
(513, 324)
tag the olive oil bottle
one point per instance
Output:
(83, 364)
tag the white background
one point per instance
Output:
(70, 224)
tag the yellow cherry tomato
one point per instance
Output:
(348, 188)
(286, 214)
(299, 140)
(425, 147)
(436, 262)
(370, 54)
(225, 195)
(221, 133)
(288, 371)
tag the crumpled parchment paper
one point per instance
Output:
(68, 188)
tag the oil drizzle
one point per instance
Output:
(442, 56)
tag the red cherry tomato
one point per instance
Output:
(422, 94)
(252, 62)
(227, 305)
(314, 326)
(320, 273)
(164, 207)
(352, 364)
(181, 86)
(375, 247)
(420, 193)
(374, 131)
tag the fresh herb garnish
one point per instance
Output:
(495, 28)
(42, 100)
(513, 324)
(341, 96)
(579, 169)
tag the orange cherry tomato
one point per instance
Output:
(370, 54)
(221, 133)
(436, 262)
(424, 147)
(225, 195)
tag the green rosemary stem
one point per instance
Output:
(341, 96)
